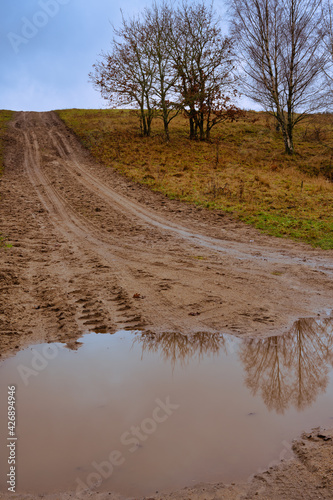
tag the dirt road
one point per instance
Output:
(93, 251)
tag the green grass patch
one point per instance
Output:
(243, 170)
(318, 233)
(3, 243)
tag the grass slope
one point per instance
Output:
(5, 116)
(243, 170)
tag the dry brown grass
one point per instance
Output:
(243, 170)
(5, 116)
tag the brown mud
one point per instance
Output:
(92, 251)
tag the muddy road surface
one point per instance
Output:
(92, 251)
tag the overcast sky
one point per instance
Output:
(48, 48)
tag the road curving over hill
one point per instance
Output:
(93, 251)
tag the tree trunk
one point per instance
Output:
(288, 142)
(149, 120)
(143, 123)
(287, 133)
(201, 129)
(193, 133)
(165, 121)
(166, 129)
(165, 116)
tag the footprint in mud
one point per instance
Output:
(164, 286)
(145, 274)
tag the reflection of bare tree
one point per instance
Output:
(176, 347)
(287, 370)
(291, 369)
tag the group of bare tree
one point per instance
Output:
(176, 59)
(171, 60)
(286, 371)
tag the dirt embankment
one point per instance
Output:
(94, 252)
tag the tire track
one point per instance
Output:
(85, 308)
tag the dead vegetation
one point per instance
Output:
(243, 169)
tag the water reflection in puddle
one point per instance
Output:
(142, 412)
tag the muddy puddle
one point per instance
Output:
(137, 413)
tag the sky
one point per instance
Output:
(48, 48)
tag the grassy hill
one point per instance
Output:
(5, 116)
(243, 170)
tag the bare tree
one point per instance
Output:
(281, 57)
(326, 34)
(157, 22)
(125, 75)
(204, 63)
(167, 60)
